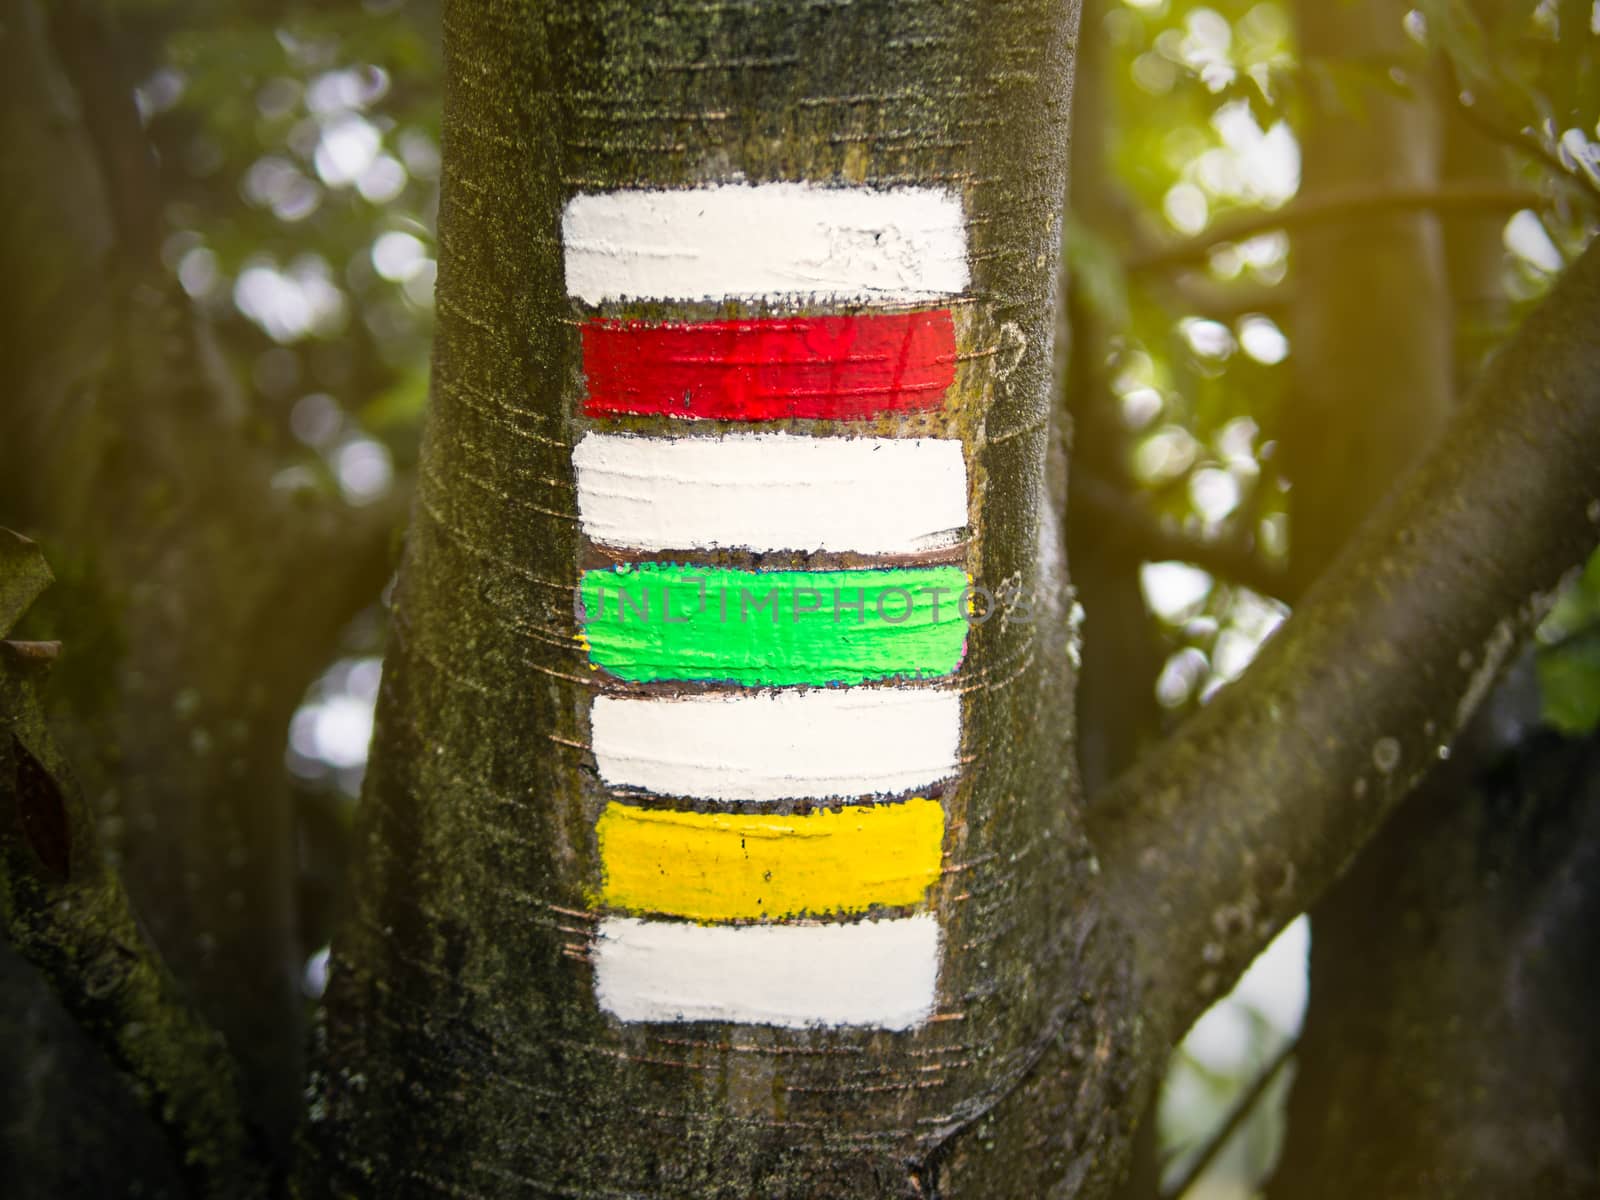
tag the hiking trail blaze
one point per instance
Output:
(774, 594)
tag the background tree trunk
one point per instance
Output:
(1115, 703)
(1449, 1050)
(1116, 700)
(1370, 321)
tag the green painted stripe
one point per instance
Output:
(658, 621)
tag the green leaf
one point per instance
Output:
(1568, 660)
(1576, 609)
(1569, 684)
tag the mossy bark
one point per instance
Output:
(465, 1053)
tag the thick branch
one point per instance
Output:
(1354, 202)
(1222, 836)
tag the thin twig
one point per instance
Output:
(1338, 205)
(1522, 141)
(1242, 1108)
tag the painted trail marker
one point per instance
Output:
(655, 622)
(834, 368)
(768, 241)
(721, 866)
(790, 744)
(771, 491)
(776, 738)
(877, 973)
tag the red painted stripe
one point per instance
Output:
(838, 367)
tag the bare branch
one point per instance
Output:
(1529, 142)
(1225, 833)
(1145, 537)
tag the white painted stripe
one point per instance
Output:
(826, 743)
(771, 491)
(767, 240)
(876, 973)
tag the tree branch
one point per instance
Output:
(84, 38)
(1455, 197)
(1524, 141)
(1144, 537)
(1226, 832)
(67, 913)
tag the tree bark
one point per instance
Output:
(1451, 1050)
(465, 1051)
(462, 1049)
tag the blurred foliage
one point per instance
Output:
(298, 155)
(1531, 68)
(1200, 112)
(1203, 107)
(1205, 99)
(1569, 655)
(299, 158)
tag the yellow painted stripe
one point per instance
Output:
(732, 866)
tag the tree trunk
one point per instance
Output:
(1122, 656)
(1116, 707)
(470, 1044)
(1370, 322)
(466, 1051)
